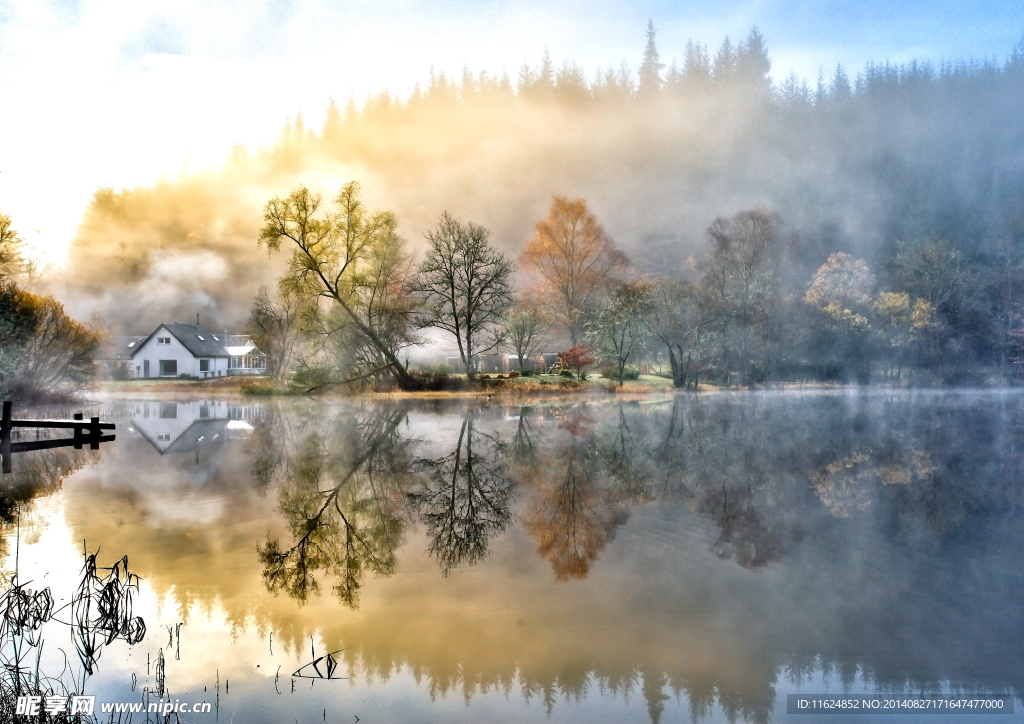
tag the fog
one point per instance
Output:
(854, 162)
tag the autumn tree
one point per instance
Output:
(465, 285)
(576, 358)
(573, 258)
(620, 329)
(44, 352)
(904, 326)
(840, 291)
(10, 248)
(354, 259)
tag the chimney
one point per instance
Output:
(197, 319)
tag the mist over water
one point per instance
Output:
(693, 556)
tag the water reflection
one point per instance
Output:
(185, 426)
(571, 516)
(464, 497)
(341, 503)
(714, 551)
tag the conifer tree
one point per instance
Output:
(650, 68)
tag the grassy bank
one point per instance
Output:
(455, 386)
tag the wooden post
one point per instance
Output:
(5, 437)
(94, 433)
(78, 432)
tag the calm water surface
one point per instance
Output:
(691, 558)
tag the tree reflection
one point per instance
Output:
(571, 519)
(464, 502)
(340, 502)
(521, 451)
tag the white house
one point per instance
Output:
(188, 350)
(244, 358)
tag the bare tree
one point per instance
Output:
(275, 329)
(742, 276)
(524, 333)
(465, 286)
(683, 320)
(465, 500)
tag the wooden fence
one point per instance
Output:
(85, 432)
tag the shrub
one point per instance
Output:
(43, 352)
(611, 372)
(435, 382)
(443, 369)
(528, 372)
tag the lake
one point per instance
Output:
(687, 558)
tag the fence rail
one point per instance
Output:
(85, 432)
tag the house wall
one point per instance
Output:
(187, 364)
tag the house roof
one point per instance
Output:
(120, 348)
(194, 338)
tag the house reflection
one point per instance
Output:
(185, 426)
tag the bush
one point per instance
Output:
(631, 372)
(443, 369)
(43, 352)
(528, 372)
(611, 372)
(566, 373)
(437, 382)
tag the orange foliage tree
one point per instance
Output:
(573, 257)
(577, 358)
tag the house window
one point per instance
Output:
(204, 365)
(168, 410)
(200, 338)
(163, 340)
(168, 368)
(163, 438)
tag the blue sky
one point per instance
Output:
(119, 93)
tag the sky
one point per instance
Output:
(119, 93)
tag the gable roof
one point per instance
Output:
(193, 338)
